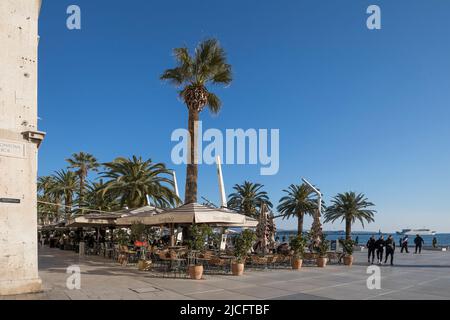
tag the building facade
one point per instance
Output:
(19, 143)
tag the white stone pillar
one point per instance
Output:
(19, 141)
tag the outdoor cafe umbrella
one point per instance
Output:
(92, 220)
(107, 219)
(192, 213)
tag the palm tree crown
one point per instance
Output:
(248, 198)
(350, 207)
(132, 180)
(66, 184)
(298, 201)
(83, 162)
(192, 74)
(48, 210)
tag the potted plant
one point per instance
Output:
(298, 245)
(196, 244)
(139, 238)
(123, 240)
(243, 243)
(322, 250)
(348, 246)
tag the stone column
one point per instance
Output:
(19, 142)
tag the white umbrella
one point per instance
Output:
(108, 219)
(193, 213)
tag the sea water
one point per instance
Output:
(443, 239)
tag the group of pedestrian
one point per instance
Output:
(381, 247)
(418, 242)
(378, 247)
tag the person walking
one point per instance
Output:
(418, 241)
(404, 246)
(434, 242)
(390, 249)
(379, 246)
(371, 249)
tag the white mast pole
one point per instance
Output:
(223, 197)
(318, 193)
(175, 184)
(316, 228)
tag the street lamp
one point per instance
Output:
(318, 193)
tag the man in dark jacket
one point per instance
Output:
(390, 249)
(379, 246)
(418, 241)
(405, 245)
(371, 247)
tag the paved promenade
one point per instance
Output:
(425, 276)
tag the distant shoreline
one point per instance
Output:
(355, 232)
(443, 239)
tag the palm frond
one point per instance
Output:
(214, 102)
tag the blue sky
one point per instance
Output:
(358, 109)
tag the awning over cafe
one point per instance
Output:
(192, 213)
(108, 219)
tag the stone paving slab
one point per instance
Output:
(425, 276)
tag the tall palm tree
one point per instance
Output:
(44, 184)
(350, 207)
(131, 180)
(66, 185)
(192, 74)
(248, 198)
(47, 213)
(83, 163)
(298, 201)
(48, 208)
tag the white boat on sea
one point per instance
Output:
(413, 232)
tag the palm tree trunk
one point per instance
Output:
(348, 229)
(81, 202)
(300, 224)
(192, 167)
(133, 203)
(68, 203)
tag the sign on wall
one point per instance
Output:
(9, 200)
(12, 149)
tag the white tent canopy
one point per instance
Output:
(192, 213)
(108, 219)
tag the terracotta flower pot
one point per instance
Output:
(322, 262)
(237, 269)
(297, 264)
(348, 261)
(144, 265)
(196, 272)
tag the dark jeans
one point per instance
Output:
(371, 254)
(389, 252)
(419, 247)
(404, 247)
(380, 254)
